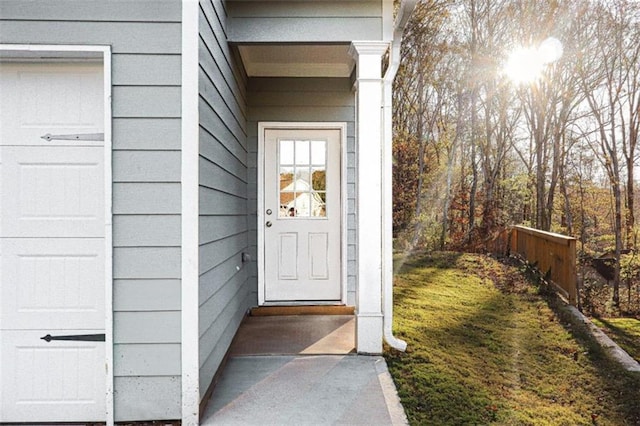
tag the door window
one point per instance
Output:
(302, 168)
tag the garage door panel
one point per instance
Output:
(55, 381)
(53, 98)
(55, 283)
(54, 192)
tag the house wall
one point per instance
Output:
(305, 100)
(227, 286)
(306, 21)
(145, 39)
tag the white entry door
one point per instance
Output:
(302, 215)
(52, 243)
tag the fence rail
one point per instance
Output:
(552, 254)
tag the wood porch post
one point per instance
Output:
(369, 138)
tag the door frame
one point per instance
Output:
(83, 53)
(263, 126)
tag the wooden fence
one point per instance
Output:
(552, 254)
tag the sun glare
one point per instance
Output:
(525, 65)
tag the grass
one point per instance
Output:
(624, 331)
(486, 348)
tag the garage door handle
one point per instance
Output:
(80, 337)
(74, 137)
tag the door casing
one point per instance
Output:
(262, 127)
(62, 53)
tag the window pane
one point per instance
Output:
(302, 152)
(287, 201)
(286, 179)
(318, 204)
(319, 153)
(286, 152)
(302, 179)
(303, 204)
(319, 179)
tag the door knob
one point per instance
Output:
(268, 224)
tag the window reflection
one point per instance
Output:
(302, 172)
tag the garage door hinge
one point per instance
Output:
(80, 337)
(74, 137)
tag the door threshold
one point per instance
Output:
(261, 311)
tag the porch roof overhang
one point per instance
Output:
(296, 60)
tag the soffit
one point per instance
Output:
(297, 60)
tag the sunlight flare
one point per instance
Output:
(525, 64)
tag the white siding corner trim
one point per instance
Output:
(262, 127)
(189, 212)
(103, 53)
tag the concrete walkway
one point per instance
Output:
(302, 370)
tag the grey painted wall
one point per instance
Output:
(227, 286)
(305, 21)
(145, 39)
(305, 99)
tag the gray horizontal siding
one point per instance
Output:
(137, 362)
(224, 285)
(146, 198)
(214, 253)
(145, 41)
(131, 295)
(213, 279)
(304, 113)
(325, 9)
(232, 159)
(146, 262)
(215, 202)
(146, 101)
(103, 10)
(305, 100)
(218, 129)
(146, 70)
(215, 228)
(146, 166)
(223, 327)
(123, 37)
(213, 176)
(146, 133)
(295, 21)
(277, 30)
(146, 231)
(147, 327)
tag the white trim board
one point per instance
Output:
(280, 125)
(55, 52)
(190, 331)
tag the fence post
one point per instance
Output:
(572, 273)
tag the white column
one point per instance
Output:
(369, 138)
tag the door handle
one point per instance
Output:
(268, 224)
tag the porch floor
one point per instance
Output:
(302, 370)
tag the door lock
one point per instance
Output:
(268, 224)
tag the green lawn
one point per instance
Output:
(486, 348)
(624, 331)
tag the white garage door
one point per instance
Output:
(52, 224)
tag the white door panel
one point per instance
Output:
(302, 228)
(52, 243)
